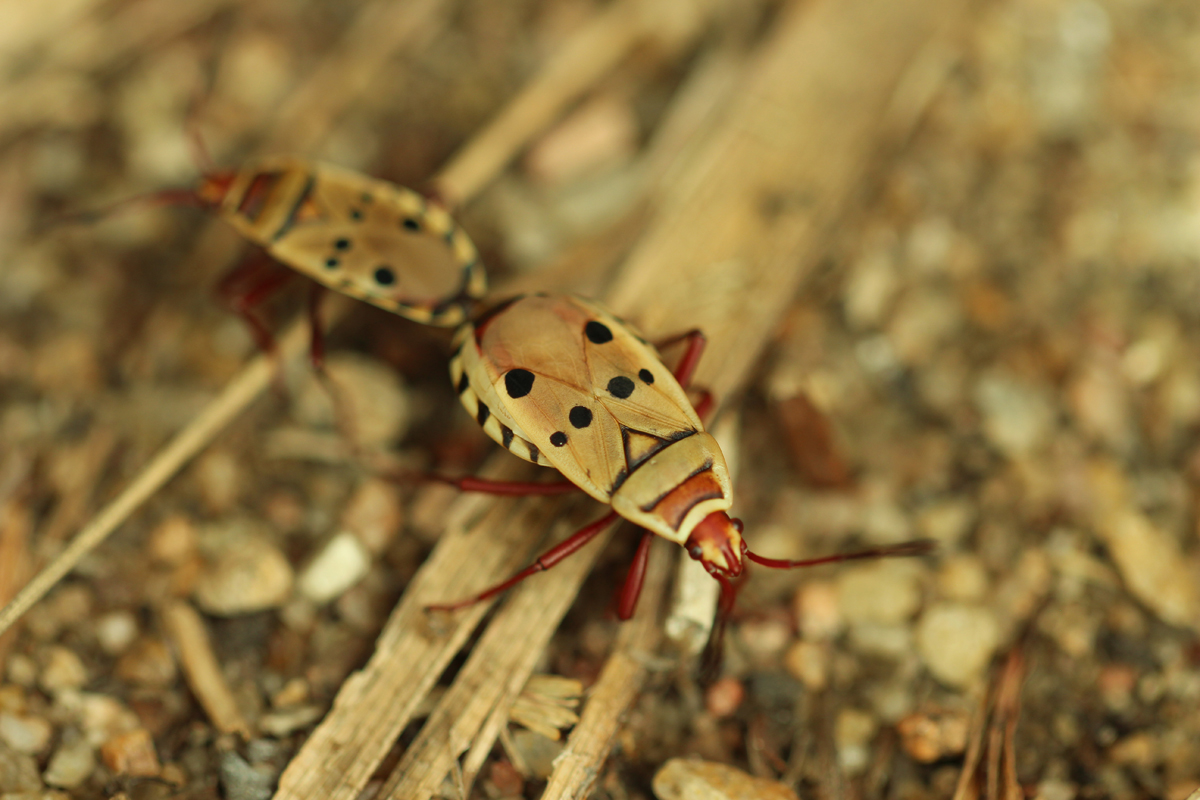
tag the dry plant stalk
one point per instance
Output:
(738, 232)
(187, 631)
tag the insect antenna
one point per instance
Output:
(714, 648)
(917, 547)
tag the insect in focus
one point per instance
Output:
(560, 382)
(370, 239)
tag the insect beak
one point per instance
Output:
(717, 544)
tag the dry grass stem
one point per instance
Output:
(499, 666)
(189, 634)
(591, 54)
(619, 684)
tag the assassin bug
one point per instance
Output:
(560, 382)
(367, 238)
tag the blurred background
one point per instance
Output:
(1000, 350)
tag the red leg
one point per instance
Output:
(691, 356)
(510, 488)
(632, 588)
(247, 286)
(544, 562)
(714, 649)
(704, 404)
(316, 350)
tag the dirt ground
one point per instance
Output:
(1000, 350)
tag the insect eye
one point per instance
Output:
(737, 523)
(695, 551)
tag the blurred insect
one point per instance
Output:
(562, 383)
(367, 238)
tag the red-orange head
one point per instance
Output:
(716, 542)
(214, 186)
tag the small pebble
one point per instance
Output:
(148, 663)
(946, 521)
(962, 577)
(247, 575)
(956, 642)
(115, 631)
(763, 640)
(61, 670)
(1139, 749)
(340, 564)
(131, 754)
(69, 605)
(72, 763)
(930, 736)
(880, 639)
(1152, 566)
(724, 697)
(173, 541)
(21, 670)
(1054, 789)
(506, 779)
(13, 698)
(103, 717)
(220, 476)
(25, 734)
(374, 514)
(852, 734)
(292, 693)
(882, 592)
(1017, 416)
(1100, 402)
(870, 286)
(688, 779)
(18, 771)
(808, 662)
(287, 721)
(537, 751)
(818, 610)
(922, 321)
(242, 781)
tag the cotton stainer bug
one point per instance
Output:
(562, 383)
(361, 236)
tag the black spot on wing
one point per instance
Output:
(341, 244)
(410, 224)
(482, 413)
(534, 453)
(597, 332)
(580, 416)
(506, 434)
(518, 382)
(620, 387)
(463, 383)
(384, 275)
(646, 375)
(558, 438)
